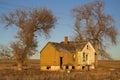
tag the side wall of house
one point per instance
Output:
(89, 56)
(50, 59)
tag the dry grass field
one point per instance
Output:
(107, 70)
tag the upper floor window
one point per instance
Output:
(85, 56)
(87, 46)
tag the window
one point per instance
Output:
(83, 56)
(67, 67)
(73, 67)
(48, 67)
(83, 67)
(74, 57)
(95, 54)
(86, 57)
(87, 46)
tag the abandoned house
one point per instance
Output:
(67, 55)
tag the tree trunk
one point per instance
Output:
(20, 66)
(96, 54)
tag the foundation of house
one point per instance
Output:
(56, 68)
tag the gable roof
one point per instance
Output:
(70, 47)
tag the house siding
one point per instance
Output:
(50, 58)
(91, 56)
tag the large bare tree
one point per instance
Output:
(29, 23)
(93, 24)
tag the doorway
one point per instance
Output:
(61, 62)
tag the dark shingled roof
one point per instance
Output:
(71, 47)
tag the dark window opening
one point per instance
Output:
(48, 67)
(83, 67)
(83, 56)
(67, 67)
(73, 67)
(95, 53)
(87, 46)
(86, 57)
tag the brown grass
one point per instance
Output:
(107, 70)
(47, 75)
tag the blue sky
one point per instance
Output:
(64, 27)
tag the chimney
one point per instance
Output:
(66, 40)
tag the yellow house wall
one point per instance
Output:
(51, 57)
(48, 56)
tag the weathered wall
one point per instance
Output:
(51, 57)
(48, 56)
(88, 49)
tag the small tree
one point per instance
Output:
(29, 24)
(91, 23)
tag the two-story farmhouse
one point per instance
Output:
(67, 55)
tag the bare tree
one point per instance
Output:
(29, 23)
(91, 23)
(5, 52)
